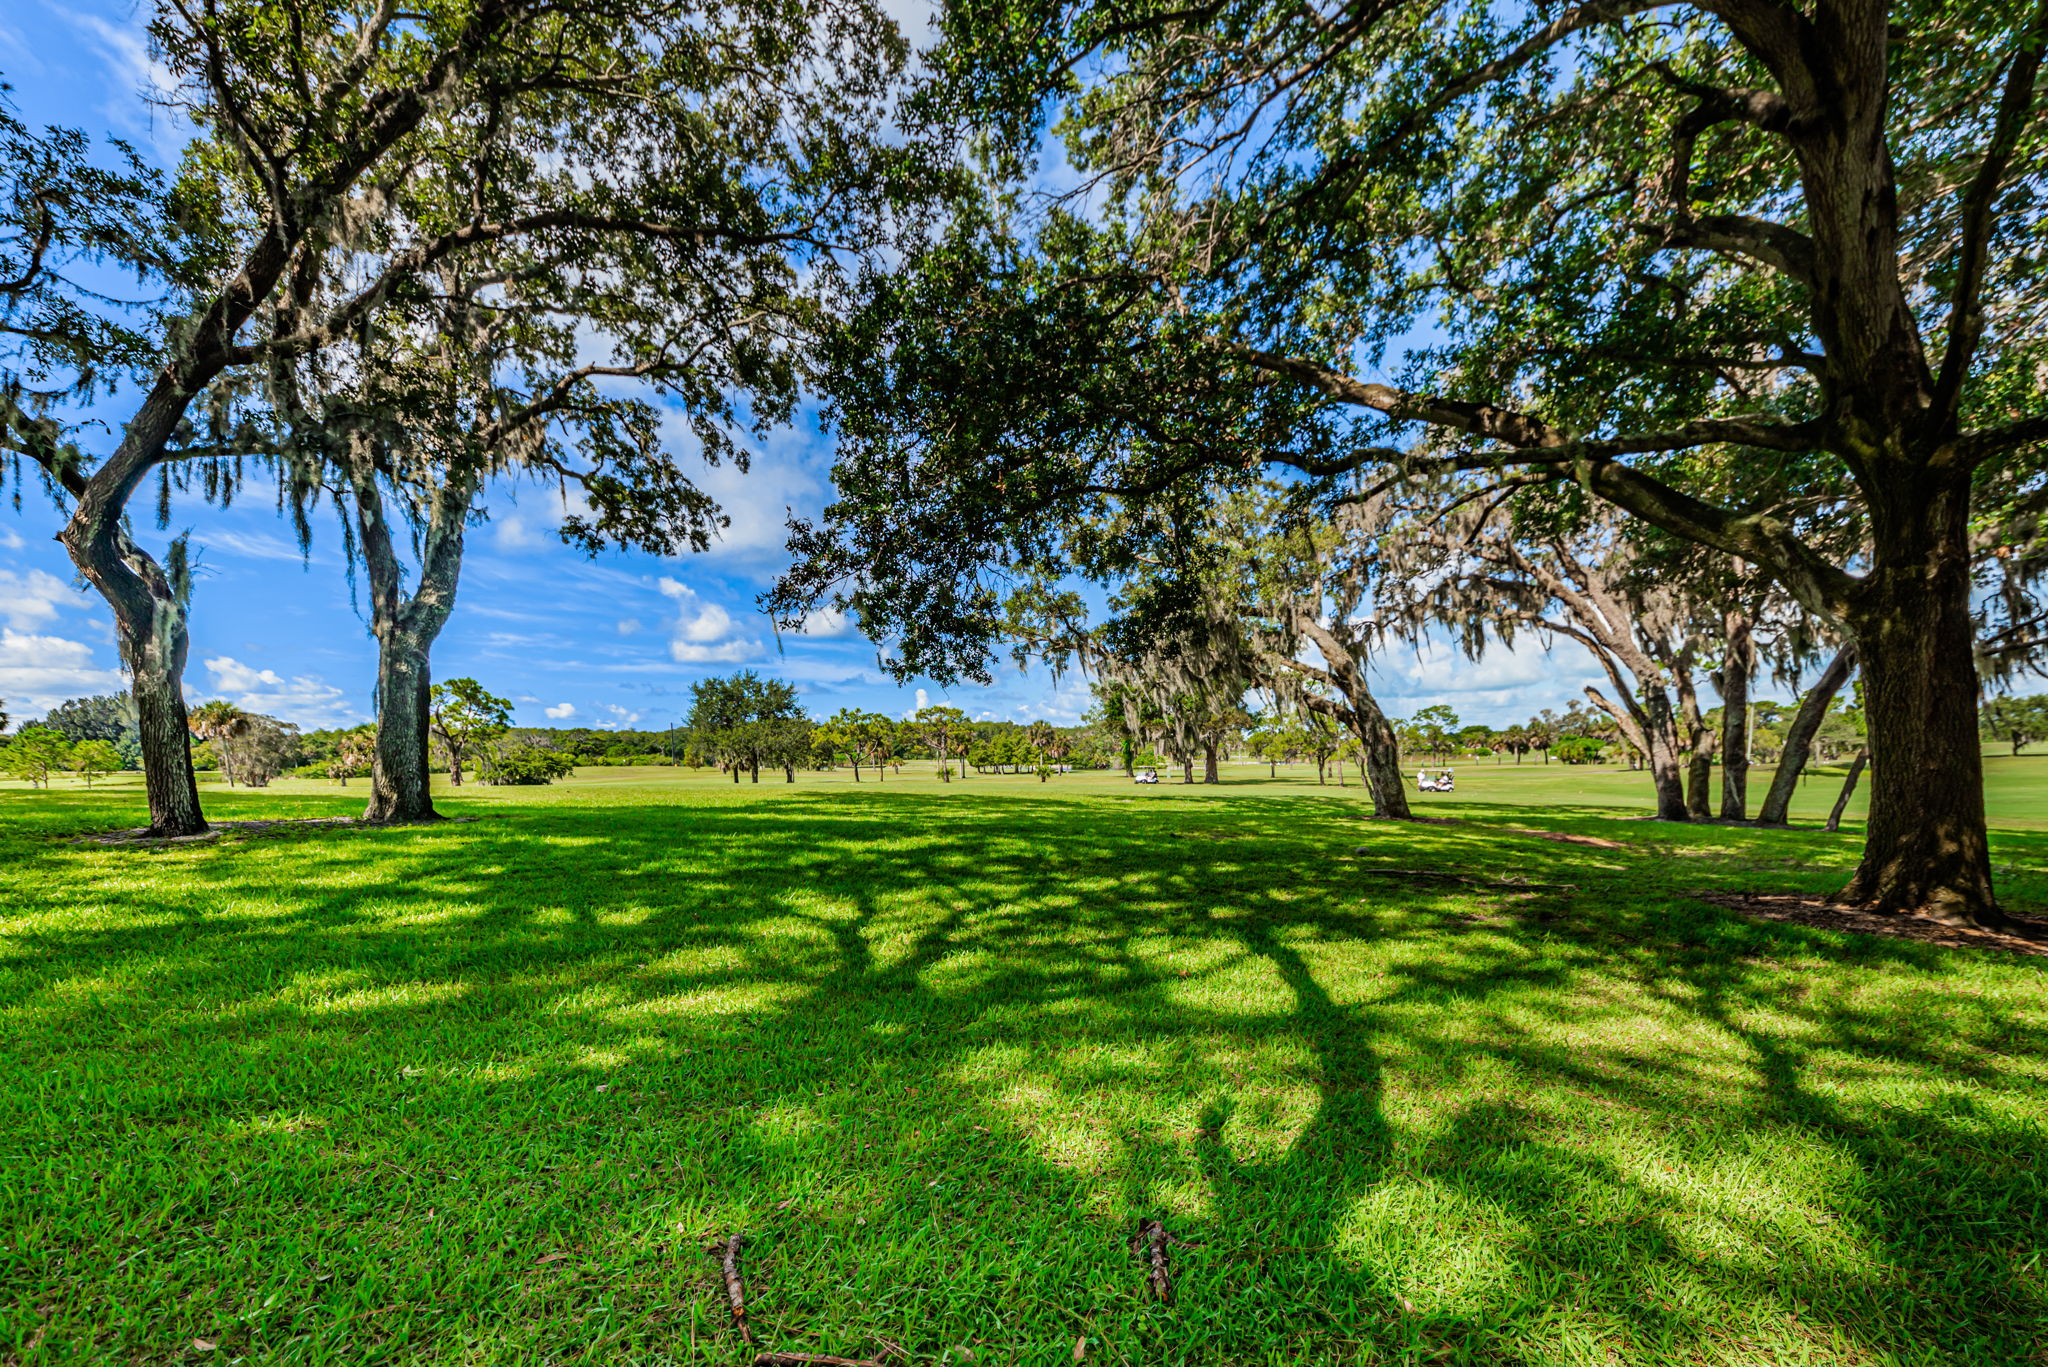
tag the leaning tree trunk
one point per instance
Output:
(1650, 727)
(154, 636)
(1926, 849)
(1698, 750)
(1381, 755)
(1736, 668)
(1813, 710)
(1848, 789)
(401, 774)
(156, 664)
(1699, 776)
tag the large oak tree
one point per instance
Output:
(602, 120)
(1627, 245)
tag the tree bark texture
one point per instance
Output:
(1699, 749)
(154, 636)
(1647, 723)
(1737, 666)
(1209, 773)
(156, 667)
(401, 774)
(1848, 789)
(1357, 709)
(1926, 850)
(1813, 710)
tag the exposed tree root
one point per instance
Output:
(2024, 935)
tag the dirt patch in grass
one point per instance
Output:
(2029, 935)
(139, 835)
(1597, 842)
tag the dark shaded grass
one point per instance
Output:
(347, 1096)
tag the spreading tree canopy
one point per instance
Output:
(1747, 269)
(284, 234)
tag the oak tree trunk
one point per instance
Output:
(400, 779)
(1209, 762)
(154, 636)
(1813, 710)
(1848, 789)
(1382, 757)
(1665, 760)
(406, 627)
(1699, 777)
(1736, 668)
(1926, 851)
(1699, 748)
(156, 667)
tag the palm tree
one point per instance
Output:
(220, 721)
(1041, 737)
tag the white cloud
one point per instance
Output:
(730, 653)
(305, 699)
(1506, 685)
(253, 546)
(704, 632)
(924, 700)
(136, 72)
(561, 710)
(514, 532)
(32, 599)
(829, 624)
(785, 474)
(38, 672)
(628, 625)
(517, 531)
(622, 716)
(10, 539)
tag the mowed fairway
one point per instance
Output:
(482, 1092)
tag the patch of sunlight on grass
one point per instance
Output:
(386, 997)
(1060, 1135)
(790, 1122)
(481, 1093)
(731, 999)
(274, 1125)
(1445, 1250)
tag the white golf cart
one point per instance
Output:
(1144, 773)
(1436, 780)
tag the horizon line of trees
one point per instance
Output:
(95, 737)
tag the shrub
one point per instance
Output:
(1578, 750)
(524, 765)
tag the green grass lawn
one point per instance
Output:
(481, 1092)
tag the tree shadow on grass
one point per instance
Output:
(938, 1057)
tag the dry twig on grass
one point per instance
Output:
(735, 1287)
(810, 1360)
(1150, 1244)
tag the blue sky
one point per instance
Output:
(614, 641)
